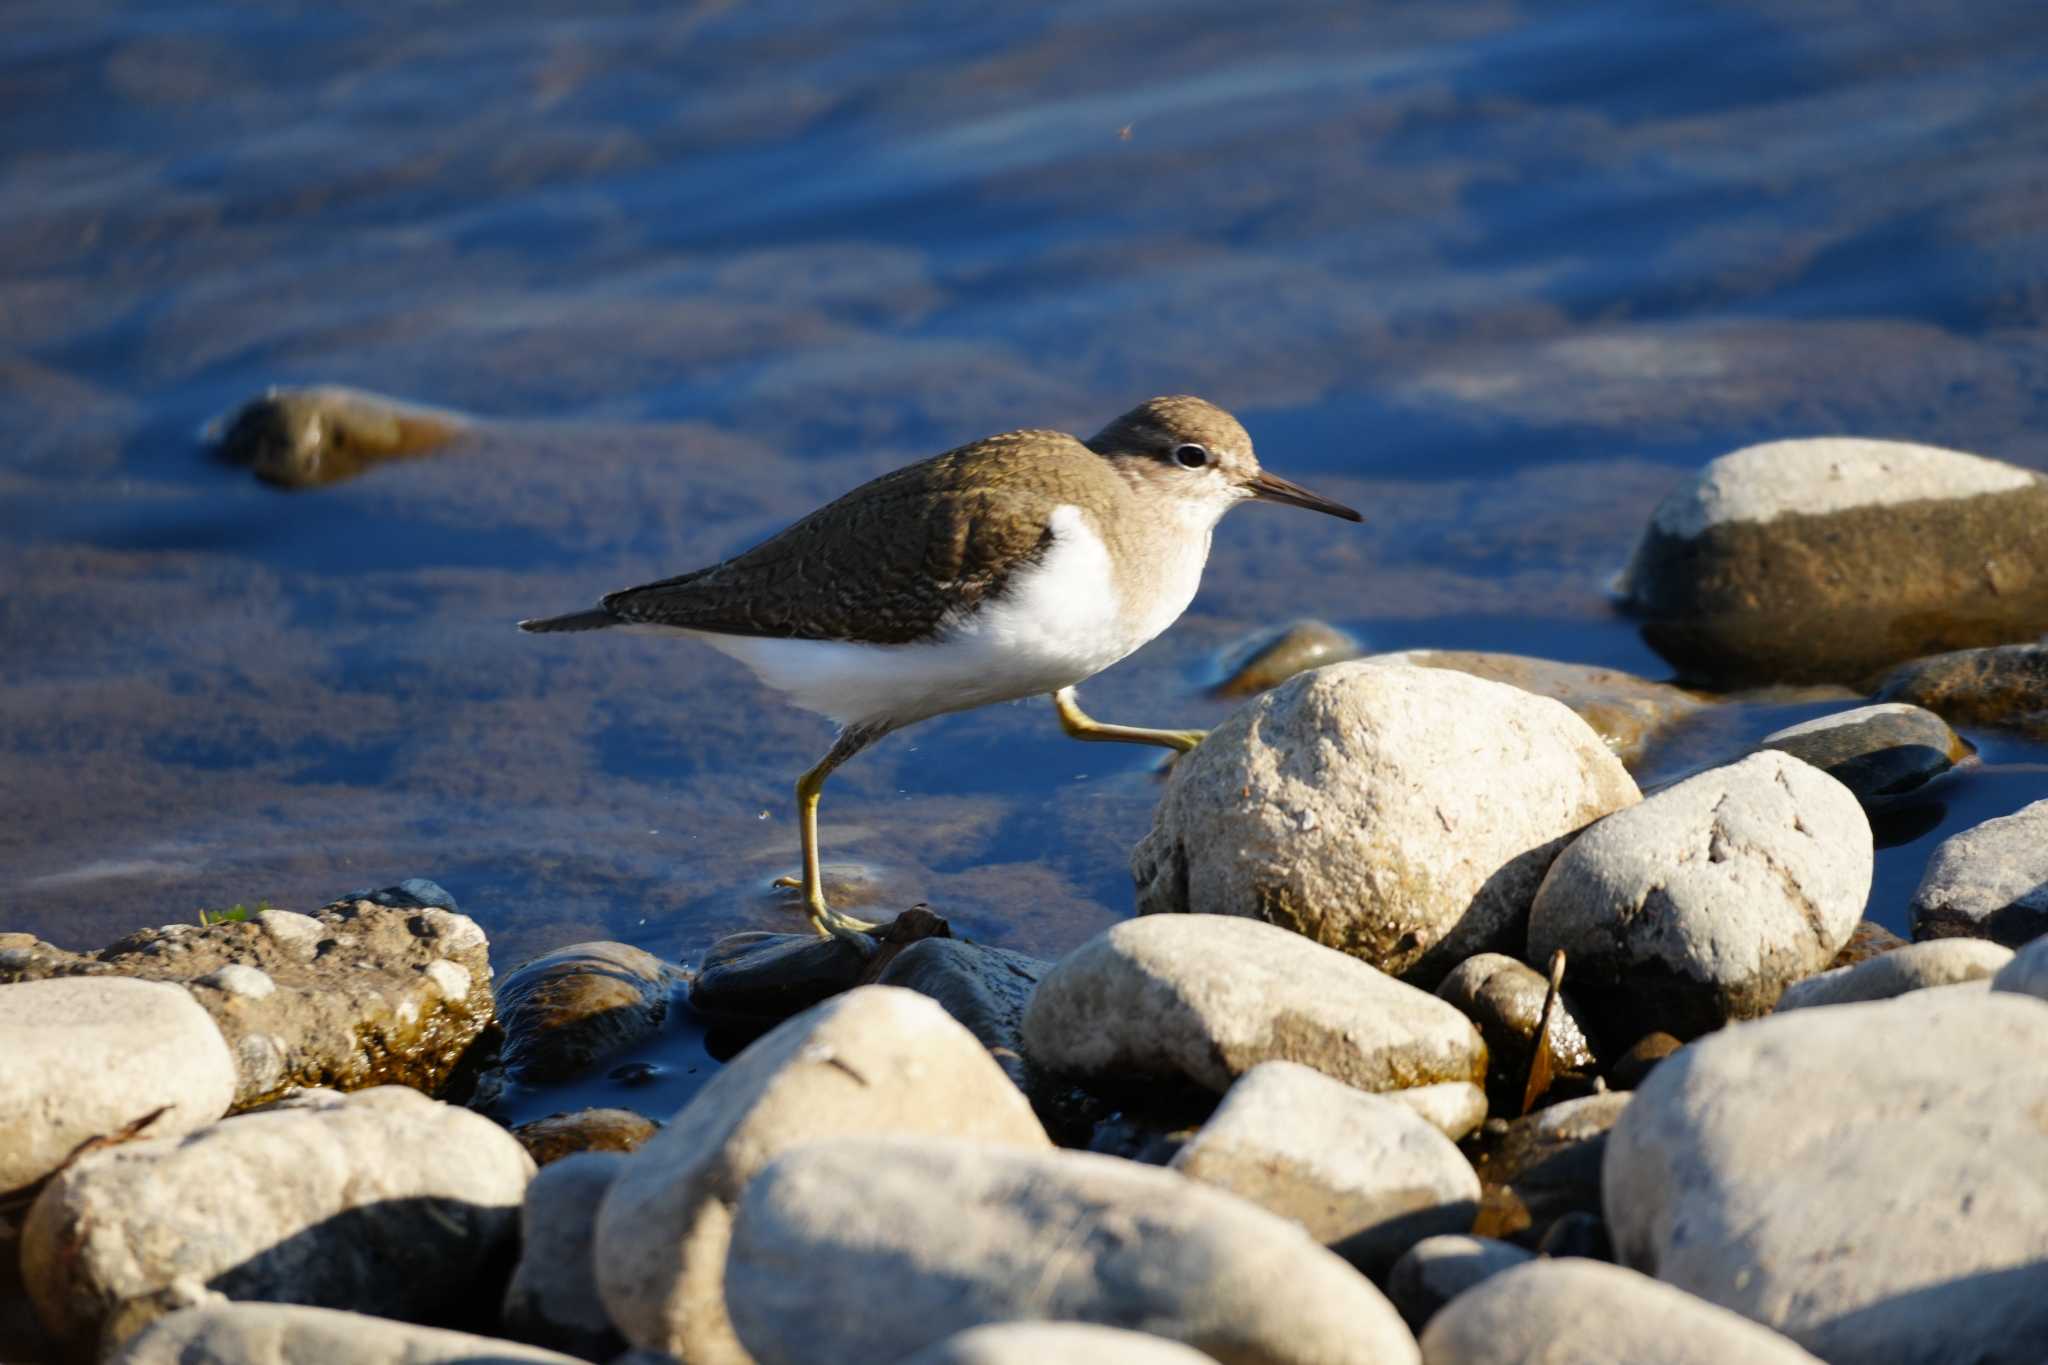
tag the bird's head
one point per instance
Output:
(1198, 454)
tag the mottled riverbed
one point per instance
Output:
(1497, 274)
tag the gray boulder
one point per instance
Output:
(1438, 1269)
(1365, 1176)
(1574, 1309)
(1990, 881)
(1914, 967)
(1704, 902)
(1829, 559)
(1864, 1179)
(87, 1057)
(552, 1299)
(878, 1059)
(292, 1334)
(1401, 815)
(383, 1201)
(1206, 998)
(961, 1234)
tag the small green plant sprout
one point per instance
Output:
(234, 914)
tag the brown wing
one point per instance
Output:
(888, 562)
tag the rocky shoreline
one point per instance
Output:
(1438, 1038)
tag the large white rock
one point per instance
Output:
(1704, 902)
(868, 1249)
(382, 1200)
(1055, 1343)
(1571, 1309)
(1366, 1176)
(1915, 967)
(875, 1060)
(2027, 973)
(1453, 1108)
(291, 1334)
(1208, 997)
(1870, 1180)
(1402, 815)
(86, 1056)
(1990, 881)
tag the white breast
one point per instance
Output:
(1059, 622)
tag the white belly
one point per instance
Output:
(1062, 621)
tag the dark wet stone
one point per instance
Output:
(1869, 939)
(1828, 560)
(1632, 1066)
(358, 995)
(1578, 1233)
(758, 977)
(1881, 752)
(302, 438)
(565, 1012)
(985, 989)
(1990, 881)
(1302, 646)
(1537, 1169)
(2005, 688)
(414, 893)
(585, 1130)
(1623, 709)
(1504, 997)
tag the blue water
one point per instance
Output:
(1497, 274)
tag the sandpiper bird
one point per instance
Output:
(1020, 564)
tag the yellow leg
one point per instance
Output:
(1081, 725)
(827, 921)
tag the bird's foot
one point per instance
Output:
(831, 924)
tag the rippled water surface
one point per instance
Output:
(1498, 274)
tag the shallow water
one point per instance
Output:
(1497, 274)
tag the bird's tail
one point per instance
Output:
(597, 618)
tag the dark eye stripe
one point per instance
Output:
(1190, 456)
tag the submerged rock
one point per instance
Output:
(1365, 1176)
(1830, 559)
(564, 1012)
(302, 438)
(875, 1060)
(383, 1201)
(1881, 753)
(1865, 1179)
(2003, 688)
(1703, 903)
(1558, 1310)
(961, 1234)
(86, 1058)
(1504, 997)
(1302, 646)
(585, 1130)
(1990, 881)
(1205, 998)
(360, 994)
(1401, 815)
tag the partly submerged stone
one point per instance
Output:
(1990, 881)
(2000, 688)
(302, 438)
(1205, 998)
(1504, 997)
(1704, 902)
(883, 1246)
(1572, 1309)
(382, 1200)
(1364, 1175)
(759, 978)
(1401, 815)
(1865, 1179)
(360, 994)
(1829, 559)
(564, 1012)
(1302, 646)
(584, 1130)
(89, 1057)
(1881, 752)
(878, 1059)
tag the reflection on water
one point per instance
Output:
(1494, 273)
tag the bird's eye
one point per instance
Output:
(1190, 456)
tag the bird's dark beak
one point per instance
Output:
(1273, 488)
